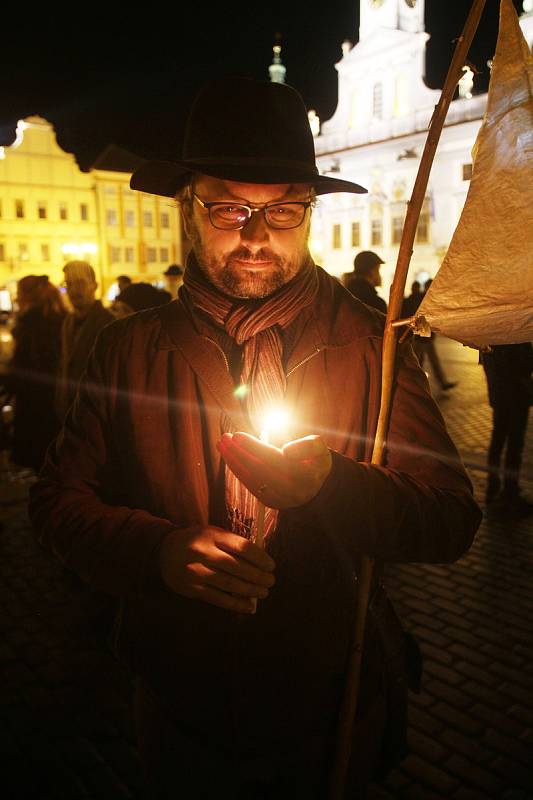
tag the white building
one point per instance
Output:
(376, 137)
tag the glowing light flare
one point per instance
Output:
(241, 391)
(275, 421)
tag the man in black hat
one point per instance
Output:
(365, 277)
(160, 489)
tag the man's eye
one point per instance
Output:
(230, 211)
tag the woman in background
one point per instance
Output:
(37, 335)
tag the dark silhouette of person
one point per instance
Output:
(123, 282)
(410, 304)
(508, 369)
(425, 345)
(37, 336)
(365, 277)
(138, 297)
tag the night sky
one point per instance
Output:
(129, 80)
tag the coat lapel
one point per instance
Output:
(206, 359)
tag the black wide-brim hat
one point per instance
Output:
(243, 130)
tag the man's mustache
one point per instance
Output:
(243, 254)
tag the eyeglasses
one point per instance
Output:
(234, 216)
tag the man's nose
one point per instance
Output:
(256, 231)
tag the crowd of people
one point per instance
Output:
(53, 334)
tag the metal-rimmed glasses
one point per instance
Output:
(235, 216)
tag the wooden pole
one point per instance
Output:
(349, 705)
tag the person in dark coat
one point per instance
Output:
(411, 302)
(508, 369)
(37, 336)
(137, 297)
(365, 277)
(156, 489)
(79, 330)
(425, 345)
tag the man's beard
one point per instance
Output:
(237, 281)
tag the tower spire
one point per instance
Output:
(277, 70)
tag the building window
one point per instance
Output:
(111, 216)
(114, 254)
(41, 210)
(129, 255)
(19, 209)
(163, 253)
(356, 234)
(84, 212)
(45, 252)
(151, 254)
(377, 101)
(148, 219)
(336, 239)
(397, 229)
(376, 235)
(129, 218)
(467, 172)
(0, 209)
(23, 252)
(63, 211)
(2, 253)
(401, 96)
(422, 231)
(165, 220)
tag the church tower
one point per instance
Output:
(376, 137)
(403, 15)
(381, 79)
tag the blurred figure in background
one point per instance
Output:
(79, 330)
(411, 302)
(123, 282)
(137, 297)
(173, 279)
(37, 335)
(508, 369)
(425, 346)
(365, 277)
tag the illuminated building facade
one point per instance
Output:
(52, 212)
(376, 137)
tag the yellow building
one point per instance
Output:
(52, 212)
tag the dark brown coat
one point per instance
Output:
(138, 458)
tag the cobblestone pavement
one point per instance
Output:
(66, 730)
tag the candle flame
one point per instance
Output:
(275, 421)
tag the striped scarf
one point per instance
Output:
(257, 325)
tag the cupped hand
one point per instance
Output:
(216, 566)
(280, 478)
